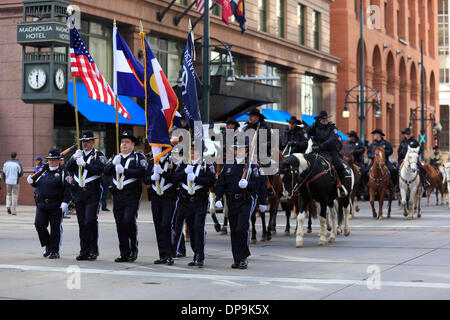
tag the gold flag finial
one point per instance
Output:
(114, 23)
(141, 27)
(189, 25)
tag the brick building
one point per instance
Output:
(284, 38)
(392, 55)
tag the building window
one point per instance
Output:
(385, 15)
(220, 64)
(216, 11)
(272, 71)
(280, 18)
(311, 95)
(301, 23)
(169, 54)
(262, 13)
(316, 29)
(183, 2)
(443, 31)
(356, 8)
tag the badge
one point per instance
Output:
(57, 175)
(228, 170)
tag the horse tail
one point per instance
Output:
(311, 206)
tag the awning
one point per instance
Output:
(96, 111)
(282, 117)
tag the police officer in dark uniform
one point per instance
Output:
(195, 179)
(52, 195)
(163, 196)
(87, 193)
(128, 170)
(327, 142)
(380, 142)
(241, 184)
(410, 141)
(355, 145)
(295, 137)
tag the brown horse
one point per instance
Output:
(434, 176)
(380, 182)
(356, 191)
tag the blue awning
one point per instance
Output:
(282, 117)
(96, 111)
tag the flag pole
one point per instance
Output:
(77, 126)
(191, 191)
(115, 96)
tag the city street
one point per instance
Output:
(413, 258)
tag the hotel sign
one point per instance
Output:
(42, 32)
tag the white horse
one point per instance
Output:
(410, 185)
(447, 178)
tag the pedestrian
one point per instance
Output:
(12, 171)
(52, 195)
(86, 193)
(163, 196)
(127, 170)
(38, 164)
(241, 184)
(195, 178)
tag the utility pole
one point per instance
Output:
(206, 79)
(422, 117)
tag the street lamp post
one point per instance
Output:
(361, 75)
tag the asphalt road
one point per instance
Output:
(389, 259)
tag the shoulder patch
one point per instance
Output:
(335, 130)
(143, 163)
(211, 168)
(306, 135)
(256, 172)
(102, 159)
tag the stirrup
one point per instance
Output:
(339, 192)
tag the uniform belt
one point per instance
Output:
(46, 200)
(194, 198)
(89, 186)
(239, 196)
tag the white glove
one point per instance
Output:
(80, 162)
(155, 177)
(219, 204)
(64, 207)
(191, 177)
(78, 154)
(158, 169)
(243, 184)
(262, 208)
(30, 180)
(119, 169)
(189, 169)
(116, 160)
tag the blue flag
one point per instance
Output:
(238, 8)
(189, 83)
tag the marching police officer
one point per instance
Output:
(90, 163)
(163, 196)
(355, 145)
(380, 142)
(241, 183)
(327, 142)
(127, 169)
(195, 179)
(52, 194)
(295, 136)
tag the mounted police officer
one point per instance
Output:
(436, 159)
(163, 196)
(195, 179)
(327, 142)
(87, 192)
(127, 170)
(52, 195)
(241, 183)
(295, 138)
(357, 146)
(380, 142)
(410, 141)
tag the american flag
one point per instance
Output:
(82, 65)
(200, 6)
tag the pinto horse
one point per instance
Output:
(316, 183)
(380, 182)
(356, 192)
